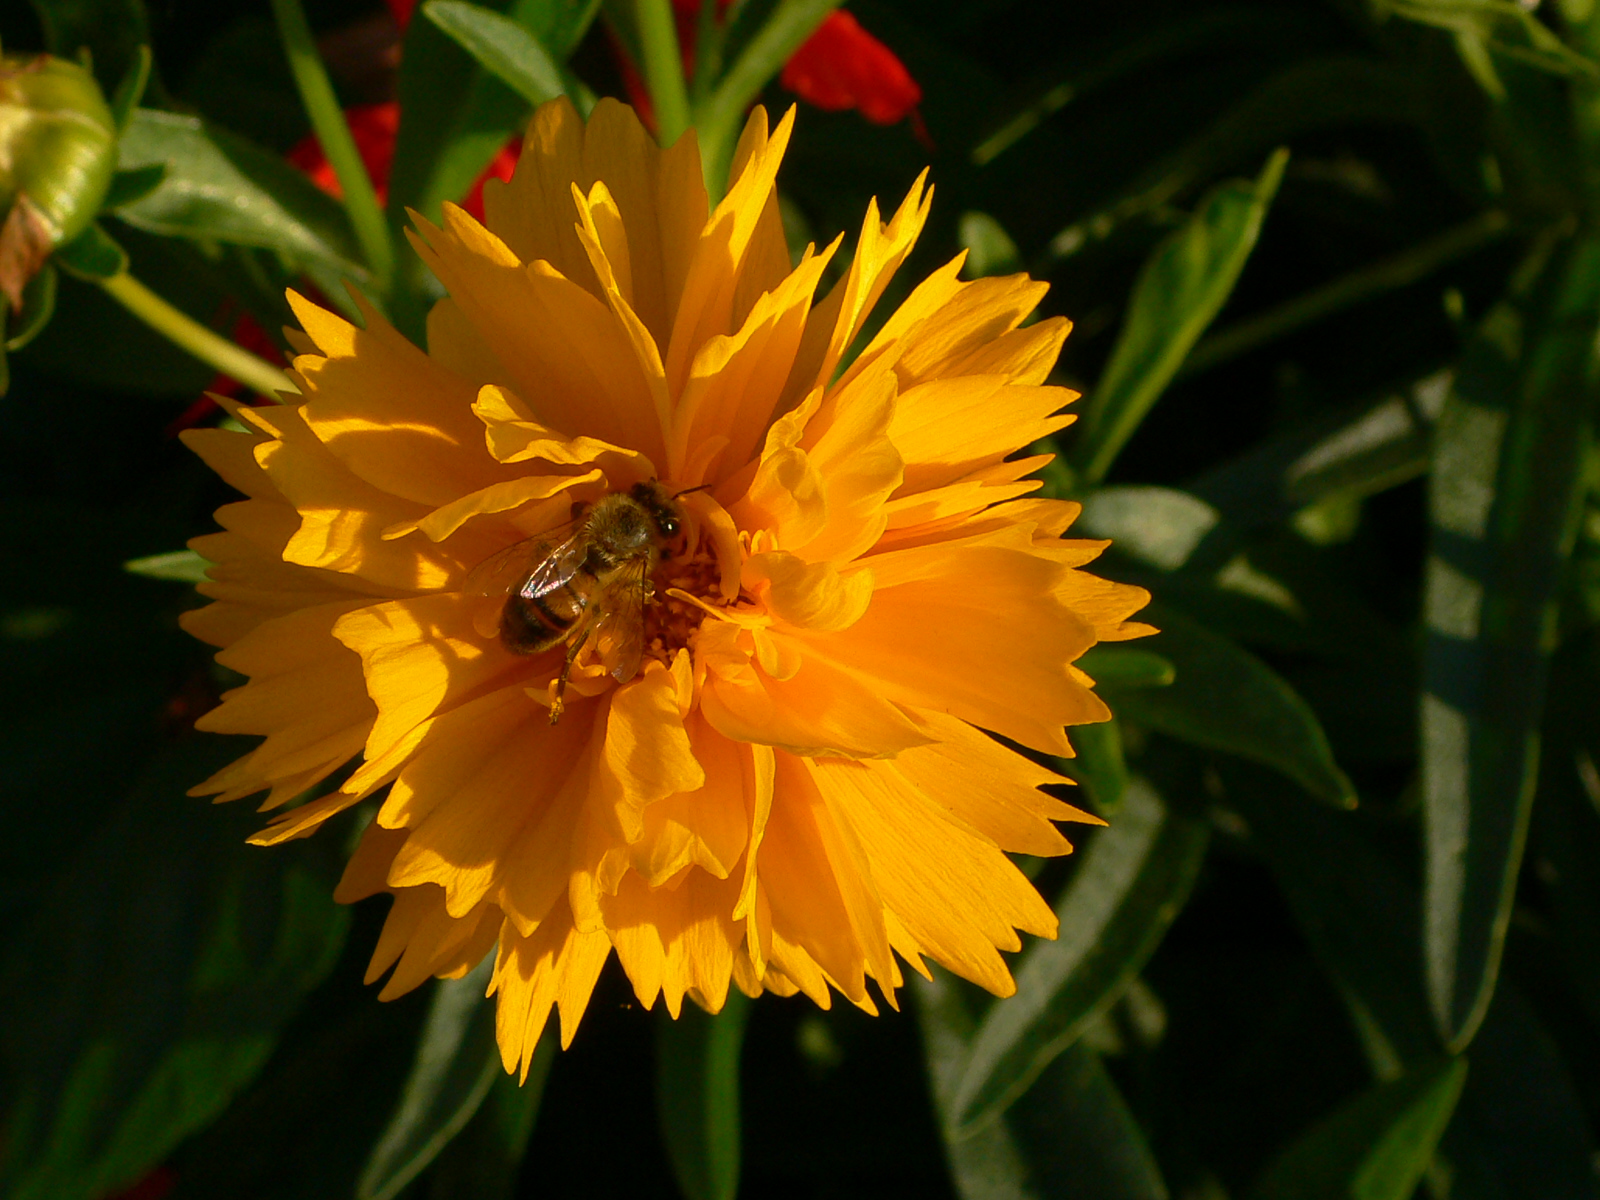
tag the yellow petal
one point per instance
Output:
(389, 412)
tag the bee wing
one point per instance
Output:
(509, 570)
(557, 567)
(622, 623)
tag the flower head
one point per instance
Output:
(791, 785)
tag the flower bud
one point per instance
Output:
(57, 152)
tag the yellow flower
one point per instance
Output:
(794, 787)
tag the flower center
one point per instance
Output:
(671, 623)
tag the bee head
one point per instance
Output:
(658, 503)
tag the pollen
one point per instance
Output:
(671, 622)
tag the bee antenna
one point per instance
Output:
(704, 487)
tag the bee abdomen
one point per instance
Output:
(529, 624)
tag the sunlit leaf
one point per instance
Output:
(1507, 468)
(183, 565)
(501, 46)
(220, 187)
(1183, 285)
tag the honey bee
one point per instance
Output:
(589, 579)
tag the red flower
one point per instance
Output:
(840, 66)
(843, 66)
(375, 127)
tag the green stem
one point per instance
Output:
(183, 330)
(710, 33)
(663, 68)
(1385, 275)
(328, 123)
(721, 117)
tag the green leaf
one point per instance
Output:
(1159, 526)
(1376, 1147)
(1099, 766)
(174, 953)
(719, 119)
(501, 46)
(697, 1095)
(131, 90)
(93, 254)
(990, 250)
(1520, 1132)
(457, 117)
(457, 1065)
(1181, 288)
(130, 186)
(38, 306)
(1351, 453)
(1507, 477)
(184, 566)
(1312, 94)
(1131, 884)
(482, 1161)
(1225, 698)
(1117, 668)
(1072, 1135)
(1505, 25)
(220, 187)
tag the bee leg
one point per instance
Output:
(557, 702)
(649, 589)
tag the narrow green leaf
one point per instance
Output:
(457, 1064)
(722, 115)
(1225, 698)
(131, 90)
(501, 46)
(174, 953)
(1117, 668)
(1334, 91)
(1507, 475)
(697, 1095)
(184, 566)
(1376, 1147)
(38, 306)
(1351, 453)
(220, 187)
(93, 254)
(1099, 766)
(1072, 1135)
(1520, 1132)
(1505, 25)
(1131, 884)
(484, 1159)
(456, 117)
(1181, 288)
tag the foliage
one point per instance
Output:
(1335, 268)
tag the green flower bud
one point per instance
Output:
(57, 152)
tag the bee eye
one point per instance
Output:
(669, 526)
